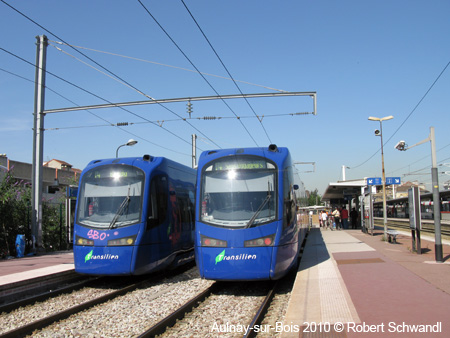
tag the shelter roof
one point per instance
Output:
(340, 189)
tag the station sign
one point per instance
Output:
(393, 180)
(72, 192)
(374, 181)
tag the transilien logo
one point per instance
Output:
(220, 257)
(88, 256)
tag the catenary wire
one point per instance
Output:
(420, 101)
(87, 57)
(409, 115)
(160, 122)
(169, 66)
(193, 65)
(125, 84)
(421, 159)
(72, 84)
(226, 69)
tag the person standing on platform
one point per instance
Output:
(344, 217)
(337, 218)
(324, 219)
(354, 217)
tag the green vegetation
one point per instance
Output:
(15, 217)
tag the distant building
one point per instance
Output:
(57, 175)
(398, 191)
(3, 166)
(402, 190)
(57, 164)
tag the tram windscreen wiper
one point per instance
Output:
(263, 204)
(120, 210)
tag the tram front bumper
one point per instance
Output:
(236, 263)
(103, 260)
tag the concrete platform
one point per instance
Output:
(351, 284)
(18, 274)
(17, 269)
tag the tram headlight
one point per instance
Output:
(263, 241)
(212, 242)
(122, 241)
(84, 241)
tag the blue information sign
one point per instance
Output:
(393, 180)
(72, 192)
(374, 181)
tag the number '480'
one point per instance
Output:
(94, 234)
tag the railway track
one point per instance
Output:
(20, 290)
(52, 308)
(243, 298)
(170, 306)
(39, 295)
(247, 309)
(403, 224)
(229, 309)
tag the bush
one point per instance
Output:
(15, 216)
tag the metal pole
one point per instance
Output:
(436, 200)
(384, 183)
(117, 150)
(194, 151)
(38, 140)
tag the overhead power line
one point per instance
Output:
(193, 65)
(170, 66)
(104, 68)
(409, 115)
(109, 123)
(97, 96)
(226, 69)
(161, 122)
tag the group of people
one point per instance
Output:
(339, 217)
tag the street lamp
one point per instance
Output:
(436, 200)
(130, 142)
(343, 171)
(380, 133)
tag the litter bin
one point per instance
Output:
(20, 245)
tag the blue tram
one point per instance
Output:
(134, 216)
(246, 219)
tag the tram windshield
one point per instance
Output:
(238, 192)
(110, 196)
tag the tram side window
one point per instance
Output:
(289, 200)
(186, 209)
(158, 199)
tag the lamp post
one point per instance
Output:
(380, 133)
(436, 200)
(130, 142)
(343, 171)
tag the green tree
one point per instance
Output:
(314, 198)
(15, 197)
(15, 217)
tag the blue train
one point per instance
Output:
(246, 218)
(134, 216)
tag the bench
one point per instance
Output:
(392, 236)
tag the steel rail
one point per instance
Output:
(259, 316)
(46, 295)
(41, 323)
(171, 319)
(426, 227)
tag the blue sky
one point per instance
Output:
(363, 58)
